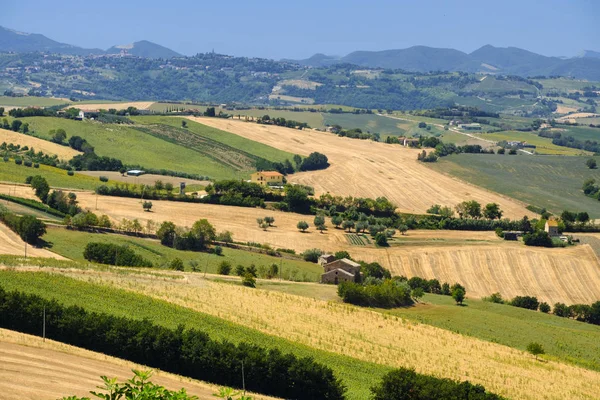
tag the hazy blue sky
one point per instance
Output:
(298, 29)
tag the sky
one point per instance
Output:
(299, 29)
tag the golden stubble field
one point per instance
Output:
(367, 335)
(368, 169)
(11, 243)
(479, 260)
(37, 370)
(63, 152)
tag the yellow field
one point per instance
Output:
(367, 335)
(37, 370)
(63, 152)
(368, 169)
(481, 261)
(140, 105)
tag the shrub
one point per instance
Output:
(535, 349)
(312, 255)
(494, 298)
(218, 250)
(36, 165)
(27, 163)
(176, 264)
(70, 173)
(528, 302)
(18, 161)
(538, 238)
(147, 205)
(249, 280)
(406, 384)
(458, 293)
(381, 239)
(544, 307)
(103, 178)
(240, 270)
(112, 254)
(302, 225)
(224, 268)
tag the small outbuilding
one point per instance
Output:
(552, 227)
(135, 172)
(326, 259)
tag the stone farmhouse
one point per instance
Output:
(337, 271)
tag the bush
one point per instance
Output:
(27, 163)
(544, 307)
(538, 238)
(36, 165)
(103, 178)
(176, 264)
(112, 254)
(406, 384)
(18, 161)
(494, 298)
(240, 270)
(535, 349)
(302, 225)
(312, 255)
(381, 239)
(388, 294)
(224, 268)
(218, 250)
(70, 173)
(528, 302)
(186, 352)
(249, 280)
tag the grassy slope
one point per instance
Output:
(56, 177)
(562, 338)
(31, 101)
(366, 122)
(552, 182)
(132, 146)
(230, 139)
(70, 244)
(357, 375)
(583, 133)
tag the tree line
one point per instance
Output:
(28, 227)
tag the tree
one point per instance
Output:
(417, 293)
(535, 349)
(166, 233)
(240, 270)
(224, 268)
(259, 221)
(381, 239)
(492, 211)
(30, 228)
(159, 185)
(312, 255)
(272, 271)
(582, 217)
(321, 227)
(225, 237)
(347, 225)
(591, 163)
(342, 254)
(269, 220)
(337, 220)
(544, 307)
(169, 188)
(297, 161)
(458, 294)
(183, 124)
(538, 238)
(296, 197)
(302, 225)
(470, 209)
(249, 280)
(1, 111)
(402, 228)
(58, 135)
(319, 220)
(41, 187)
(203, 233)
(528, 302)
(16, 125)
(562, 310)
(568, 216)
(147, 205)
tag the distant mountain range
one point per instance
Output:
(488, 59)
(20, 42)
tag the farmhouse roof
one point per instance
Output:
(350, 262)
(270, 173)
(339, 271)
(552, 222)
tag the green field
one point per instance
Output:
(563, 339)
(198, 149)
(582, 133)
(23, 210)
(70, 244)
(31, 101)
(56, 177)
(367, 123)
(553, 182)
(358, 375)
(563, 84)
(544, 145)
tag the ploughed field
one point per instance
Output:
(368, 169)
(481, 261)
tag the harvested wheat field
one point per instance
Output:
(63, 152)
(11, 243)
(367, 335)
(481, 261)
(140, 105)
(146, 179)
(368, 169)
(36, 370)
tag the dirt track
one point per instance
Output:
(368, 169)
(32, 369)
(63, 152)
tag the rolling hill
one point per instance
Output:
(509, 60)
(144, 49)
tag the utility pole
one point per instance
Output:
(25, 250)
(243, 379)
(96, 198)
(44, 326)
